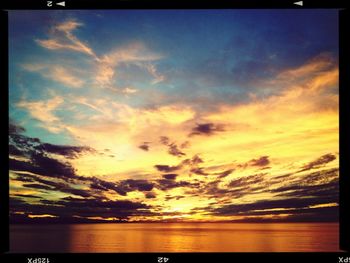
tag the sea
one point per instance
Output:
(174, 237)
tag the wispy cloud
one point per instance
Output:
(58, 73)
(62, 37)
(134, 53)
(44, 112)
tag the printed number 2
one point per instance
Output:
(49, 3)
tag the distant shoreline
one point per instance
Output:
(173, 222)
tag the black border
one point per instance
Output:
(4, 148)
(180, 257)
(171, 4)
(344, 144)
(344, 127)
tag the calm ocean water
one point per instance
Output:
(175, 237)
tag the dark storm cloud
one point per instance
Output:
(166, 184)
(22, 145)
(289, 203)
(55, 184)
(65, 187)
(247, 180)
(320, 183)
(284, 176)
(206, 129)
(38, 154)
(199, 171)
(262, 161)
(50, 172)
(38, 186)
(13, 150)
(133, 185)
(330, 189)
(324, 159)
(235, 189)
(213, 190)
(144, 146)
(150, 195)
(122, 187)
(192, 163)
(319, 214)
(69, 207)
(173, 148)
(225, 173)
(52, 167)
(196, 160)
(170, 176)
(99, 184)
(42, 165)
(294, 198)
(176, 197)
(321, 176)
(70, 152)
(166, 168)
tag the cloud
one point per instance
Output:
(132, 54)
(150, 195)
(320, 191)
(14, 128)
(262, 161)
(61, 74)
(317, 184)
(225, 173)
(144, 146)
(42, 170)
(68, 151)
(173, 149)
(129, 90)
(247, 180)
(62, 37)
(207, 129)
(167, 184)
(154, 72)
(316, 65)
(53, 184)
(166, 168)
(164, 140)
(199, 171)
(133, 184)
(102, 185)
(321, 161)
(68, 208)
(42, 165)
(42, 111)
(38, 154)
(170, 176)
(277, 206)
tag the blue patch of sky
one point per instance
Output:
(215, 54)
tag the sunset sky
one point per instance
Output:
(212, 115)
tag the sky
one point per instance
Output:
(182, 115)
